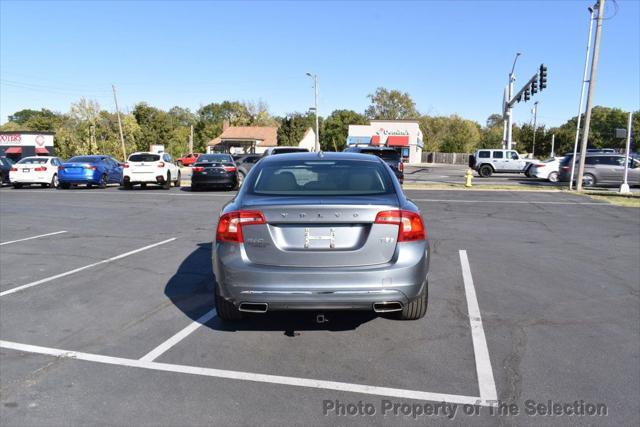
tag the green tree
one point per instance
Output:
(211, 117)
(391, 105)
(492, 133)
(450, 134)
(43, 120)
(293, 126)
(335, 129)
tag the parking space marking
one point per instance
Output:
(57, 276)
(165, 346)
(486, 383)
(32, 237)
(513, 202)
(248, 376)
(137, 193)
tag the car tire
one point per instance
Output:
(166, 185)
(225, 309)
(54, 181)
(143, 185)
(588, 180)
(17, 185)
(553, 177)
(485, 171)
(103, 181)
(417, 308)
(177, 183)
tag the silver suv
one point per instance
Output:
(488, 161)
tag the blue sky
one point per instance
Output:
(451, 56)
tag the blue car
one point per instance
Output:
(90, 170)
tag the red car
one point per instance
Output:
(187, 159)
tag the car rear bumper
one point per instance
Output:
(30, 179)
(327, 288)
(90, 178)
(144, 178)
(204, 180)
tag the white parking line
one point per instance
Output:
(248, 376)
(57, 276)
(162, 348)
(32, 237)
(486, 384)
(123, 193)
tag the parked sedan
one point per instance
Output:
(321, 231)
(546, 169)
(214, 170)
(5, 167)
(41, 170)
(245, 163)
(97, 170)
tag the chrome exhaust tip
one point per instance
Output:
(253, 307)
(387, 306)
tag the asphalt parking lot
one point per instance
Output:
(110, 321)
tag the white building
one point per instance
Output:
(403, 135)
(308, 141)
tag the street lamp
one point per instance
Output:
(512, 78)
(315, 92)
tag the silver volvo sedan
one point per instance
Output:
(321, 231)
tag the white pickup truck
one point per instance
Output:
(488, 161)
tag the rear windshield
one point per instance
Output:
(383, 154)
(33, 161)
(322, 177)
(289, 150)
(144, 158)
(215, 158)
(84, 159)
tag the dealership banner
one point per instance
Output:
(26, 140)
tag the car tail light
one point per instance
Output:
(40, 169)
(410, 224)
(60, 168)
(125, 165)
(565, 168)
(90, 167)
(401, 167)
(13, 169)
(160, 164)
(230, 225)
(197, 169)
(229, 168)
(539, 166)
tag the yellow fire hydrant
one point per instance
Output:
(468, 177)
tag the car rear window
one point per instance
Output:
(322, 177)
(383, 154)
(215, 158)
(84, 159)
(33, 161)
(144, 157)
(289, 150)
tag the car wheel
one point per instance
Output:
(241, 176)
(143, 185)
(17, 185)
(177, 183)
(44, 185)
(225, 309)
(417, 308)
(127, 186)
(54, 181)
(553, 177)
(588, 180)
(485, 171)
(167, 182)
(527, 173)
(103, 181)
(89, 185)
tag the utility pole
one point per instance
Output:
(535, 126)
(315, 92)
(509, 109)
(115, 98)
(592, 85)
(191, 141)
(584, 84)
(553, 145)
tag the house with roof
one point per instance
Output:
(244, 139)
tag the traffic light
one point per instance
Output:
(543, 77)
(534, 87)
(526, 95)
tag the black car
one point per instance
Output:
(214, 170)
(5, 167)
(390, 156)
